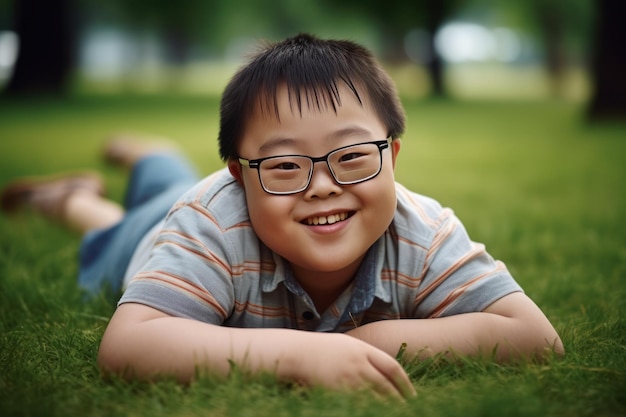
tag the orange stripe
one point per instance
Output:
(200, 209)
(416, 206)
(400, 278)
(476, 251)
(262, 310)
(252, 266)
(203, 211)
(208, 257)
(459, 291)
(207, 254)
(182, 285)
(409, 242)
(208, 182)
(440, 237)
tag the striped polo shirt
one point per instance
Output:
(207, 264)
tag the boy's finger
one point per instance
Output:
(404, 385)
(394, 373)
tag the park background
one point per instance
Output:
(516, 118)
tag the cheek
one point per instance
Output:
(384, 205)
(258, 206)
(381, 198)
(256, 199)
(268, 214)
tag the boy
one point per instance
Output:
(304, 257)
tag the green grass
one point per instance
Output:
(543, 189)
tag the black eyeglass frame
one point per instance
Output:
(256, 163)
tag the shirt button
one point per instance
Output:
(308, 315)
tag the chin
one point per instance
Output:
(330, 263)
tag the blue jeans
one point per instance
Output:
(156, 182)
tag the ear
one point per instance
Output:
(395, 149)
(235, 170)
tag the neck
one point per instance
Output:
(325, 287)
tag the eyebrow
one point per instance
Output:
(341, 133)
(276, 143)
(350, 131)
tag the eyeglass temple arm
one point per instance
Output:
(248, 163)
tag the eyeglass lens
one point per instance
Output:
(287, 174)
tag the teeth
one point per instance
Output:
(333, 218)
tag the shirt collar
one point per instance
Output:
(367, 284)
(270, 280)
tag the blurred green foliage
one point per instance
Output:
(215, 23)
(555, 35)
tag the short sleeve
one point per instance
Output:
(459, 275)
(188, 273)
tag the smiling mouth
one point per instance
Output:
(333, 218)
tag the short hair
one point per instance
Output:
(311, 69)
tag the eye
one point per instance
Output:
(288, 165)
(283, 165)
(350, 156)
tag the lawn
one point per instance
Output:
(532, 180)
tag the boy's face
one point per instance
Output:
(281, 221)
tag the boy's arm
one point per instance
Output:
(142, 342)
(513, 326)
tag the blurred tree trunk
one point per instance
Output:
(46, 31)
(609, 61)
(435, 12)
(177, 45)
(177, 52)
(396, 18)
(550, 18)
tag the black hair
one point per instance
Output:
(311, 69)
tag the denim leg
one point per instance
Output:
(154, 174)
(156, 183)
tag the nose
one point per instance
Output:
(322, 185)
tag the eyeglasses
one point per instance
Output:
(291, 174)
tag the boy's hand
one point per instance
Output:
(338, 361)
